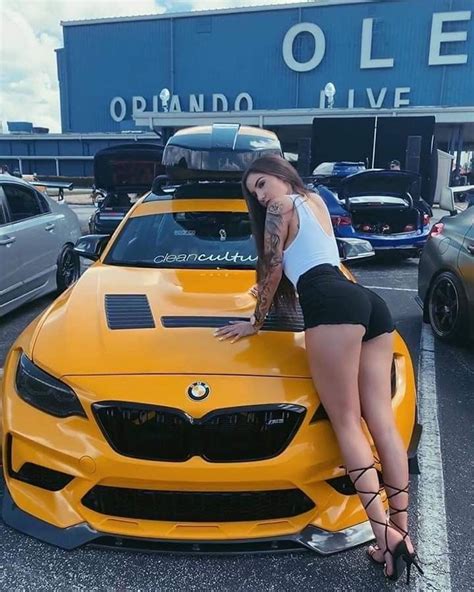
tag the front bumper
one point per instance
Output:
(311, 537)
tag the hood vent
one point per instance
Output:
(128, 311)
(273, 322)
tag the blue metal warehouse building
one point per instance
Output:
(268, 66)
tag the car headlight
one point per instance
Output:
(43, 391)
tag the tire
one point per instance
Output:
(68, 268)
(448, 310)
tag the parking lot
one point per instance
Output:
(441, 515)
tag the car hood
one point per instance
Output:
(377, 182)
(129, 167)
(74, 337)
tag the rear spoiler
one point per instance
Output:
(52, 184)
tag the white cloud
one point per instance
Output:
(30, 31)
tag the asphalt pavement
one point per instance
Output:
(441, 509)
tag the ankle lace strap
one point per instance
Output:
(362, 472)
(395, 511)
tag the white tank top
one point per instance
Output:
(311, 246)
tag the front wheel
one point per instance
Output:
(448, 308)
(68, 268)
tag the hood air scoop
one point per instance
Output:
(128, 311)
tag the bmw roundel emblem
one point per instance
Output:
(198, 391)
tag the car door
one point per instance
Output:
(466, 258)
(34, 230)
(10, 282)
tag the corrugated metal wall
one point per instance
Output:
(231, 53)
(73, 156)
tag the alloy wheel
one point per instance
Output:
(444, 307)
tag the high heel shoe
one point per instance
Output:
(413, 560)
(401, 558)
(395, 512)
(413, 557)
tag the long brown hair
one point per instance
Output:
(278, 167)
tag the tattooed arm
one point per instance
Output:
(276, 232)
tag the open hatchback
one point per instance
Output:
(386, 209)
(122, 174)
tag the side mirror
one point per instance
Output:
(446, 200)
(158, 183)
(98, 196)
(351, 249)
(91, 246)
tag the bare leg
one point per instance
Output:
(375, 396)
(337, 386)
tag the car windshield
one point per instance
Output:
(347, 169)
(338, 168)
(186, 240)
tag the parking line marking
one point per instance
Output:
(432, 526)
(388, 288)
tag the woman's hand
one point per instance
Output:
(254, 291)
(235, 330)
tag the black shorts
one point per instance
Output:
(327, 297)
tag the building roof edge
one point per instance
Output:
(218, 11)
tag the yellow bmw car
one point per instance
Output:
(127, 424)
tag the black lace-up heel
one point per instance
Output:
(400, 555)
(395, 512)
(412, 557)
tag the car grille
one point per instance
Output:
(197, 506)
(225, 435)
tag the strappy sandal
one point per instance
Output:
(401, 557)
(393, 512)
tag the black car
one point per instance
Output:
(446, 275)
(122, 174)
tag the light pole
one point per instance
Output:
(165, 96)
(329, 92)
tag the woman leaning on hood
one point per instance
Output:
(297, 253)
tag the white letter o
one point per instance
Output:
(243, 97)
(113, 111)
(319, 47)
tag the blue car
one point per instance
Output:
(330, 174)
(383, 207)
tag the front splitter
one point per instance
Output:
(321, 541)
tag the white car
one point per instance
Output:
(37, 236)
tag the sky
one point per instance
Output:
(30, 31)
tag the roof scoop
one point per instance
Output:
(219, 151)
